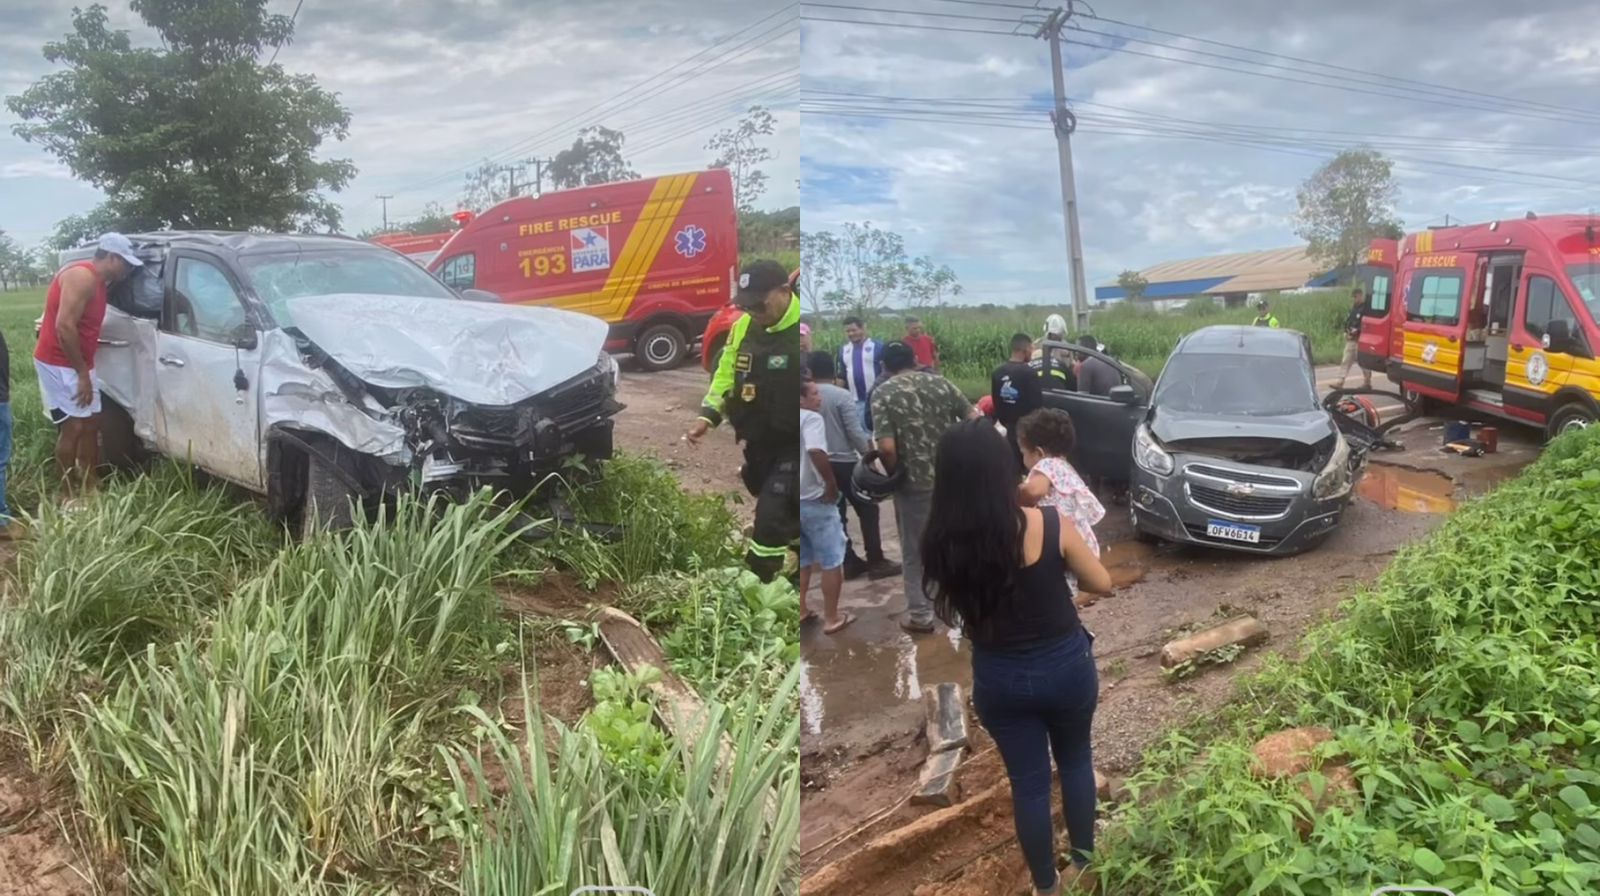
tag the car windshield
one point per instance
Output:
(279, 278)
(1236, 385)
(1586, 277)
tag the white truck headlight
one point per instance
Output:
(611, 370)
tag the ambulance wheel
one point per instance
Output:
(1570, 417)
(660, 347)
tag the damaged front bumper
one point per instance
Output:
(1239, 507)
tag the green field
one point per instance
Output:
(973, 341)
(790, 258)
(226, 710)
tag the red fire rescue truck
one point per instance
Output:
(1499, 319)
(655, 258)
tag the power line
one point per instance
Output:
(292, 16)
(806, 18)
(1407, 163)
(818, 100)
(1330, 65)
(1344, 87)
(1444, 98)
(597, 108)
(909, 12)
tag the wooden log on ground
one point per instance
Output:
(679, 709)
(945, 717)
(939, 787)
(1244, 631)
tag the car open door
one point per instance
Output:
(1104, 425)
(206, 372)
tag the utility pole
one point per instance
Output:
(1065, 124)
(386, 210)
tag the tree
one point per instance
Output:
(857, 271)
(594, 158)
(1133, 285)
(75, 230)
(1344, 205)
(925, 283)
(197, 133)
(11, 259)
(486, 185)
(434, 219)
(767, 232)
(737, 151)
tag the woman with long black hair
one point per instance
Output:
(997, 570)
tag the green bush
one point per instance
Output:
(1462, 686)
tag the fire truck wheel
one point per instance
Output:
(1570, 417)
(660, 347)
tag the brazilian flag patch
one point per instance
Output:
(778, 362)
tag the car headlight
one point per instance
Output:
(1334, 480)
(610, 370)
(1149, 454)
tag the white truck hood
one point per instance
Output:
(478, 352)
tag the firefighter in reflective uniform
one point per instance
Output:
(756, 387)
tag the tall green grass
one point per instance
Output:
(974, 341)
(570, 818)
(1462, 688)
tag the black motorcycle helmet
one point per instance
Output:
(871, 484)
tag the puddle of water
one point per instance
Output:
(1127, 561)
(854, 682)
(1412, 491)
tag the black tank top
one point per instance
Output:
(1041, 607)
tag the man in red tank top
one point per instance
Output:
(74, 309)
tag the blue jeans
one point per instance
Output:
(1035, 702)
(5, 460)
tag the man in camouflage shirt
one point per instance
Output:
(910, 412)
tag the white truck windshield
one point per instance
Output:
(279, 278)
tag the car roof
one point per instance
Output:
(245, 243)
(1236, 339)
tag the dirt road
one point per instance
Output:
(861, 714)
(660, 407)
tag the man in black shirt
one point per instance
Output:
(1015, 389)
(1095, 376)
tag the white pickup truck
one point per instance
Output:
(319, 369)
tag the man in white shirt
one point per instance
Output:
(821, 530)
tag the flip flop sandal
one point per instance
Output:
(843, 622)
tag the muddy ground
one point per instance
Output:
(660, 408)
(861, 716)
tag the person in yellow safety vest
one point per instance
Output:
(756, 387)
(1264, 318)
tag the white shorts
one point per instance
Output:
(58, 386)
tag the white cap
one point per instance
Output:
(117, 244)
(1055, 325)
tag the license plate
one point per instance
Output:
(1233, 531)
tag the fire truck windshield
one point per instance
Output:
(1586, 277)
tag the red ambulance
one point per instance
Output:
(655, 258)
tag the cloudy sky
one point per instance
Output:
(434, 88)
(942, 135)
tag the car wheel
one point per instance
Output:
(327, 504)
(120, 447)
(1416, 403)
(661, 347)
(1570, 417)
(1139, 534)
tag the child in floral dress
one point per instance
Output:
(1046, 438)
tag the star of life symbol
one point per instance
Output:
(690, 241)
